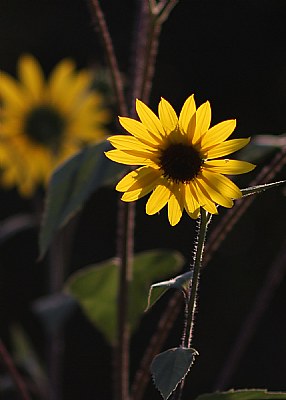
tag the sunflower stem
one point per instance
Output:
(194, 283)
(190, 300)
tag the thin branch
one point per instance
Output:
(99, 21)
(10, 366)
(125, 224)
(273, 279)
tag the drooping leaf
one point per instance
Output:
(170, 367)
(157, 290)
(248, 394)
(260, 188)
(71, 185)
(95, 287)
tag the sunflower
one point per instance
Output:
(45, 121)
(179, 158)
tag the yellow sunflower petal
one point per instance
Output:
(203, 120)
(11, 92)
(72, 98)
(187, 113)
(137, 179)
(31, 74)
(228, 147)
(218, 133)
(60, 79)
(229, 167)
(127, 142)
(217, 194)
(158, 199)
(168, 116)
(191, 204)
(149, 119)
(123, 157)
(202, 198)
(141, 191)
(221, 184)
(138, 130)
(175, 207)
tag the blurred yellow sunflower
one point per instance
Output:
(45, 121)
(180, 158)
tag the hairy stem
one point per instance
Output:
(194, 283)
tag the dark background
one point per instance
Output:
(232, 53)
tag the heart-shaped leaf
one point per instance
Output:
(95, 287)
(170, 368)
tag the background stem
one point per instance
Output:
(12, 370)
(248, 328)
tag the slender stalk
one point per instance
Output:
(191, 296)
(55, 348)
(10, 366)
(159, 13)
(125, 223)
(194, 283)
(100, 22)
(125, 251)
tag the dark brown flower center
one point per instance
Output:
(44, 125)
(180, 162)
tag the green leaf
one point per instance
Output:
(25, 356)
(180, 282)
(95, 287)
(170, 367)
(72, 184)
(251, 394)
(260, 188)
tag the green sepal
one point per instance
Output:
(180, 282)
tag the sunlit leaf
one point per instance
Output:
(156, 290)
(252, 394)
(95, 287)
(170, 367)
(25, 356)
(71, 185)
